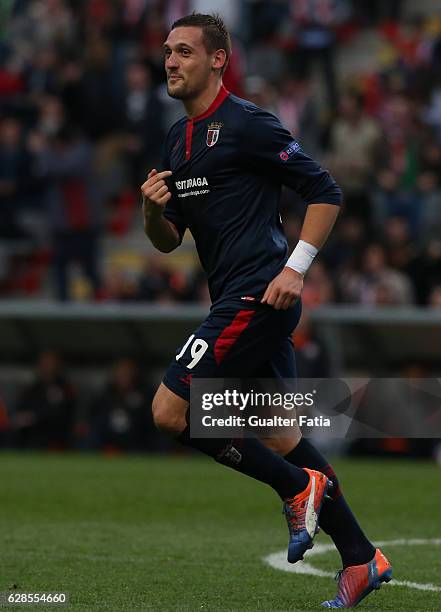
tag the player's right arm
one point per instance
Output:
(155, 195)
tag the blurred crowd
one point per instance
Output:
(84, 111)
(52, 412)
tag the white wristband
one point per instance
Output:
(302, 257)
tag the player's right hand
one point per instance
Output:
(155, 191)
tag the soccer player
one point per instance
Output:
(224, 166)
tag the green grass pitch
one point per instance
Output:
(143, 533)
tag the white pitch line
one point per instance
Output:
(278, 561)
(416, 585)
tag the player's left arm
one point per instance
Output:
(271, 150)
(285, 289)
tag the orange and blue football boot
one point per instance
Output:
(302, 512)
(357, 581)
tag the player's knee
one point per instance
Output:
(282, 446)
(165, 418)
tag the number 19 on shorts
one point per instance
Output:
(198, 349)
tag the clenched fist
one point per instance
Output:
(155, 195)
(155, 191)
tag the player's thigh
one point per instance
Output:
(265, 340)
(169, 410)
(282, 365)
(195, 357)
(233, 342)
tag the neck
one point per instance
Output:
(197, 106)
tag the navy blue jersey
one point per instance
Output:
(229, 165)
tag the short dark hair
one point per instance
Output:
(214, 32)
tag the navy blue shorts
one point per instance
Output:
(237, 341)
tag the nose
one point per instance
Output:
(171, 61)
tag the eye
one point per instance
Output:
(185, 52)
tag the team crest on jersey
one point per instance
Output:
(213, 133)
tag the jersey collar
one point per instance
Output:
(223, 93)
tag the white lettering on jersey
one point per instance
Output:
(184, 186)
(198, 181)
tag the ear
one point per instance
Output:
(218, 59)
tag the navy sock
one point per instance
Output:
(336, 518)
(249, 456)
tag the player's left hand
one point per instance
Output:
(284, 290)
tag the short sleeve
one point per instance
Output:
(268, 147)
(173, 211)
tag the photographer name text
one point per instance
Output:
(274, 421)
